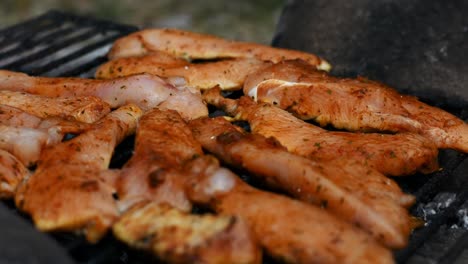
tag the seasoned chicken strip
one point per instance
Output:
(87, 109)
(163, 141)
(189, 45)
(12, 116)
(70, 189)
(227, 74)
(25, 143)
(355, 193)
(145, 90)
(176, 237)
(12, 172)
(289, 230)
(353, 104)
(165, 225)
(394, 155)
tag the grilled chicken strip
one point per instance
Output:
(163, 142)
(353, 104)
(176, 237)
(12, 172)
(164, 225)
(394, 155)
(71, 189)
(354, 193)
(227, 74)
(145, 90)
(25, 143)
(87, 109)
(189, 45)
(11, 116)
(287, 229)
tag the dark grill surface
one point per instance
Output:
(57, 44)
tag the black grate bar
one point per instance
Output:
(94, 22)
(53, 47)
(75, 55)
(85, 67)
(36, 41)
(19, 31)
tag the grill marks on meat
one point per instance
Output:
(145, 90)
(177, 237)
(12, 172)
(287, 229)
(353, 104)
(72, 189)
(227, 74)
(163, 142)
(355, 193)
(395, 155)
(189, 45)
(87, 109)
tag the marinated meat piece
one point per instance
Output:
(26, 144)
(11, 116)
(177, 237)
(394, 155)
(71, 189)
(189, 45)
(289, 230)
(12, 172)
(355, 193)
(163, 142)
(87, 109)
(228, 74)
(353, 104)
(145, 90)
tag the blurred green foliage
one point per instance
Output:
(242, 19)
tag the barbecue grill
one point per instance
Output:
(59, 44)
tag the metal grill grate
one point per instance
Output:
(58, 44)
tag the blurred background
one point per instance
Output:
(241, 20)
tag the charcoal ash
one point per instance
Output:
(440, 202)
(461, 217)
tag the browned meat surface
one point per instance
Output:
(228, 74)
(353, 192)
(163, 142)
(12, 172)
(289, 230)
(71, 189)
(353, 104)
(189, 45)
(87, 109)
(395, 155)
(164, 225)
(145, 90)
(177, 237)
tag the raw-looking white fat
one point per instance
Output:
(221, 181)
(177, 81)
(253, 93)
(324, 66)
